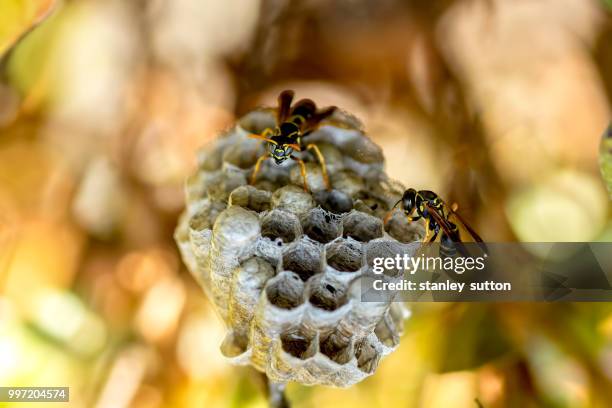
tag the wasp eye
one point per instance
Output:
(408, 204)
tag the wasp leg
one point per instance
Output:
(321, 159)
(413, 218)
(302, 171)
(265, 136)
(434, 236)
(258, 167)
(431, 228)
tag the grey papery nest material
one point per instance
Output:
(284, 267)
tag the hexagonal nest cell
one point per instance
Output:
(321, 225)
(285, 291)
(299, 344)
(325, 293)
(303, 258)
(282, 225)
(340, 354)
(280, 264)
(344, 255)
(362, 227)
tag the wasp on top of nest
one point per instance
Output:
(293, 124)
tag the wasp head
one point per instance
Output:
(279, 152)
(284, 142)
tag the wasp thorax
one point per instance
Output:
(283, 266)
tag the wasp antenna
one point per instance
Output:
(260, 137)
(390, 213)
(295, 147)
(388, 216)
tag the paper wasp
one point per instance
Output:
(440, 219)
(293, 124)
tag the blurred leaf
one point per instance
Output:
(472, 339)
(19, 16)
(246, 392)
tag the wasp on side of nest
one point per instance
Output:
(440, 220)
(293, 124)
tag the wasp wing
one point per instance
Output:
(444, 224)
(313, 121)
(305, 108)
(284, 105)
(453, 233)
(470, 230)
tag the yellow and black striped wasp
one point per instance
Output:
(440, 219)
(293, 124)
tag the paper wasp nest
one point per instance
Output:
(283, 267)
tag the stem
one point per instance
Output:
(276, 394)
